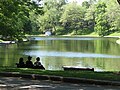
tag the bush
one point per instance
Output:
(60, 30)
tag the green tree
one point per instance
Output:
(86, 4)
(113, 12)
(89, 18)
(52, 12)
(14, 18)
(101, 20)
(72, 18)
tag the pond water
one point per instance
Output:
(103, 54)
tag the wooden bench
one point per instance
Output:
(74, 68)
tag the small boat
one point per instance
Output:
(75, 68)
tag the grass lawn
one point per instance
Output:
(77, 74)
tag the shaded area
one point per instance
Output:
(23, 84)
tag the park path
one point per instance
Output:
(17, 83)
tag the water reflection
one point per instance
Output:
(55, 52)
(69, 54)
(65, 38)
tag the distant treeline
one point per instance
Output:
(20, 17)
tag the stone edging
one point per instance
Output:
(59, 78)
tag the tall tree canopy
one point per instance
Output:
(72, 17)
(20, 17)
(52, 13)
(14, 17)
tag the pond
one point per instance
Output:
(103, 54)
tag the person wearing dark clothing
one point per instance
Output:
(37, 64)
(29, 63)
(21, 63)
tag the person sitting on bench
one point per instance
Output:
(29, 63)
(21, 64)
(38, 64)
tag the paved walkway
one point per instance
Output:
(17, 83)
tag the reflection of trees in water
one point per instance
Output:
(8, 55)
(56, 63)
(106, 46)
(99, 46)
(107, 64)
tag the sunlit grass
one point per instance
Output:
(1, 40)
(115, 34)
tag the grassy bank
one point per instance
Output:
(96, 35)
(77, 74)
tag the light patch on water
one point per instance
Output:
(68, 54)
(52, 38)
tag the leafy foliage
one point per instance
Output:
(20, 17)
(72, 17)
(102, 25)
(14, 18)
